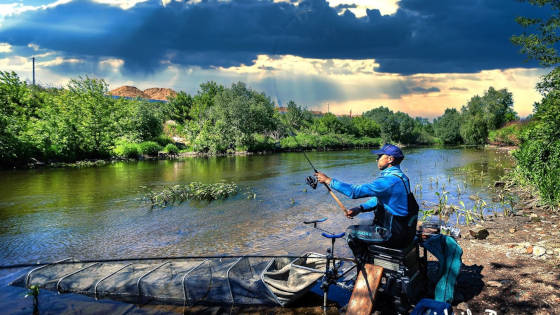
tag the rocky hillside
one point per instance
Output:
(128, 91)
(160, 94)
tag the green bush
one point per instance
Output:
(163, 140)
(262, 143)
(127, 150)
(538, 157)
(171, 149)
(510, 134)
(150, 148)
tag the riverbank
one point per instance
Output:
(516, 269)
(506, 148)
(162, 156)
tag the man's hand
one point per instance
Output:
(323, 178)
(353, 212)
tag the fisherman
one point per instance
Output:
(395, 214)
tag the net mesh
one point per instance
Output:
(188, 281)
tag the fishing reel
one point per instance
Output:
(312, 181)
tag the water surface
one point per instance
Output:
(95, 213)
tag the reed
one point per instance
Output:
(193, 191)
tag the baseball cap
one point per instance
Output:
(389, 149)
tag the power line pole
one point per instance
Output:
(33, 58)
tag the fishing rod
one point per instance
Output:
(312, 180)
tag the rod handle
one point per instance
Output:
(337, 200)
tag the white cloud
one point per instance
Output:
(123, 4)
(58, 61)
(35, 47)
(18, 8)
(111, 64)
(384, 6)
(363, 88)
(5, 48)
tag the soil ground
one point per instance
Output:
(516, 269)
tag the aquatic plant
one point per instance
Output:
(478, 208)
(192, 191)
(442, 204)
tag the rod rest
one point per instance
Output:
(333, 236)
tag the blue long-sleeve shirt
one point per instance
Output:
(387, 189)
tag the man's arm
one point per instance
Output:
(373, 189)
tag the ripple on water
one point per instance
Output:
(96, 213)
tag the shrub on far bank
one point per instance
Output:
(127, 150)
(163, 140)
(171, 149)
(150, 148)
(510, 134)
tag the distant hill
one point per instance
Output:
(160, 94)
(128, 91)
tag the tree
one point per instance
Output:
(498, 108)
(295, 116)
(366, 127)
(541, 46)
(447, 127)
(538, 156)
(407, 132)
(327, 123)
(204, 99)
(180, 107)
(235, 115)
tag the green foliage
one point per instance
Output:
(127, 150)
(297, 117)
(510, 134)
(262, 143)
(538, 156)
(474, 131)
(486, 113)
(541, 45)
(140, 120)
(170, 148)
(365, 127)
(395, 127)
(180, 107)
(327, 123)
(150, 148)
(163, 140)
(231, 119)
(192, 191)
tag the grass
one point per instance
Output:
(193, 191)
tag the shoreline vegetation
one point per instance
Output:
(82, 126)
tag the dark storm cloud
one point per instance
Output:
(458, 89)
(422, 90)
(423, 36)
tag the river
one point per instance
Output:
(99, 213)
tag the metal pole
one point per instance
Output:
(33, 58)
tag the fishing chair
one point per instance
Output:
(404, 271)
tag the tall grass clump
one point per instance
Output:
(538, 156)
(192, 191)
(150, 148)
(171, 149)
(127, 150)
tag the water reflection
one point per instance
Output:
(93, 213)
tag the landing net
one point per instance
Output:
(185, 281)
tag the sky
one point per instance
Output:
(415, 56)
